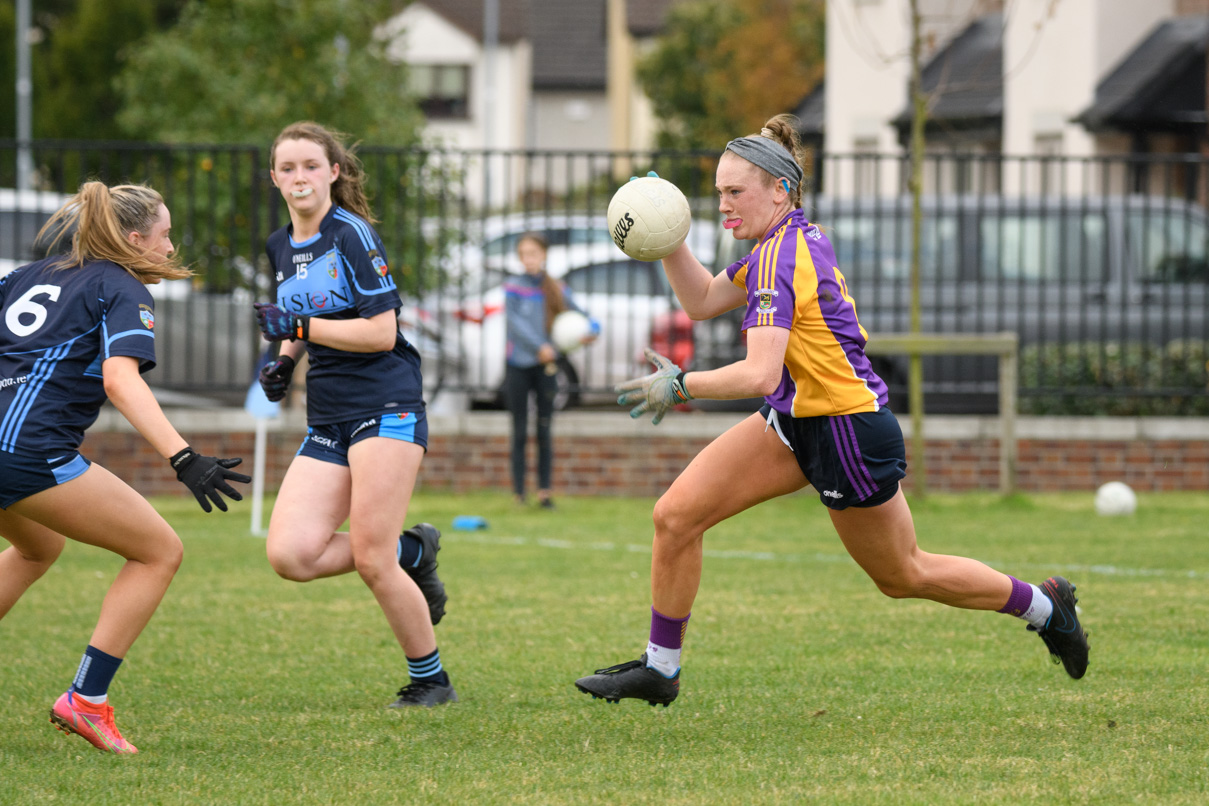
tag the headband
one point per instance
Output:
(768, 154)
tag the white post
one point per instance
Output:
(262, 426)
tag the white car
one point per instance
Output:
(22, 214)
(488, 246)
(623, 295)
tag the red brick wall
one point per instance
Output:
(466, 455)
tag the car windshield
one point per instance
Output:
(1169, 247)
(555, 236)
(629, 277)
(1043, 245)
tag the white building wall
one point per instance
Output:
(418, 35)
(1054, 56)
(868, 72)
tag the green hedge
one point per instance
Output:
(1129, 379)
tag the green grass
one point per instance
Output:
(802, 683)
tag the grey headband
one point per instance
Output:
(768, 154)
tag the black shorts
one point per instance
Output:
(853, 460)
(22, 476)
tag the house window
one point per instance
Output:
(443, 90)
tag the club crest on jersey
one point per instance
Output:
(331, 265)
(764, 298)
(147, 317)
(379, 264)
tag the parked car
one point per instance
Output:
(488, 246)
(625, 296)
(22, 215)
(1077, 269)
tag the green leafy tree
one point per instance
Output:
(79, 58)
(8, 70)
(237, 71)
(723, 68)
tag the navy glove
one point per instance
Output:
(657, 392)
(275, 377)
(206, 477)
(279, 325)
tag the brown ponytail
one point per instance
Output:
(101, 218)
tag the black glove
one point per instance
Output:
(275, 377)
(206, 476)
(279, 325)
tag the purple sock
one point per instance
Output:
(668, 632)
(1021, 598)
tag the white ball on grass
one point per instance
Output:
(1115, 498)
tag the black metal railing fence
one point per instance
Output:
(1099, 263)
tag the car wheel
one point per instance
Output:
(568, 394)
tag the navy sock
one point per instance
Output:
(95, 673)
(410, 551)
(427, 669)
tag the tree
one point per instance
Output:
(723, 68)
(82, 51)
(237, 71)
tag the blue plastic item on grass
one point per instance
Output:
(469, 523)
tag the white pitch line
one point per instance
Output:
(817, 557)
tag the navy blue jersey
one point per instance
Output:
(56, 327)
(341, 273)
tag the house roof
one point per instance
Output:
(811, 111)
(569, 50)
(965, 77)
(1159, 84)
(647, 17)
(568, 36)
(468, 16)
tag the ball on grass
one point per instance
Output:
(1115, 498)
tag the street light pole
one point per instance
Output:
(25, 92)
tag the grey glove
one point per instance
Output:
(656, 392)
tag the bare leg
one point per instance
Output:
(99, 509)
(882, 541)
(313, 502)
(741, 468)
(383, 476)
(34, 549)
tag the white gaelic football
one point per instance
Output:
(649, 218)
(1115, 498)
(568, 330)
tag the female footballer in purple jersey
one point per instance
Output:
(367, 430)
(75, 330)
(824, 423)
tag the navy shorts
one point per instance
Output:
(330, 443)
(853, 460)
(22, 476)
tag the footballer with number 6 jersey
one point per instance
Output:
(824, 423)
(367, 430)
(75, 330)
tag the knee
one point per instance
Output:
(44, 554)
(371, 568)
(288, 565)
(673, 521)
(900, 583)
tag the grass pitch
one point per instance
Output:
(801, 682)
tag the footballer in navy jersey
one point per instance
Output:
(78, 329)
(341, 273)
(59, 325)
(367, 431)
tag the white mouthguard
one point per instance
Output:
(302, 194)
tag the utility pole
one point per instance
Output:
(915, 371)
(25, 93)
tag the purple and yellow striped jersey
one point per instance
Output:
(792, 281)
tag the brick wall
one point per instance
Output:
(605, 453)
